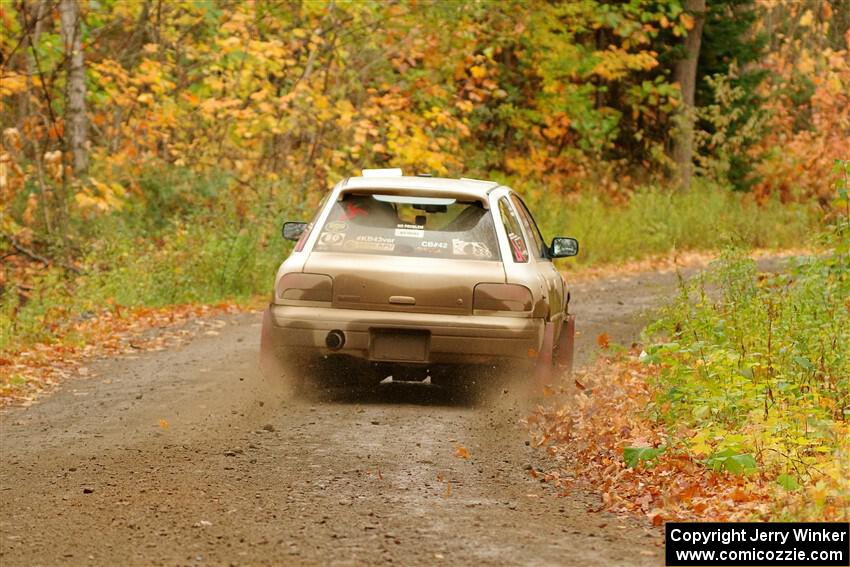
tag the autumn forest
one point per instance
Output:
(151, 150)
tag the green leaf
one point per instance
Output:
(735, 463)
(633, 456)
(746, 372)
(804, 362)
(741, 464)
(787, 482)
(700, 412)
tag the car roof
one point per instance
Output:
(409, 185)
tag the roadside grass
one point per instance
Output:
(194, 261)
(656, 222)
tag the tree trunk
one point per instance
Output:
(33, 31)
(76, 122)
(685, 74)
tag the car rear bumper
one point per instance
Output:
(450, 339)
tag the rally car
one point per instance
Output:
(413, 275)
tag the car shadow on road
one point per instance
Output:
(397, 393)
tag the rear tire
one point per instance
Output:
(556, 357)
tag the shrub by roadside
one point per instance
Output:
(741, 410)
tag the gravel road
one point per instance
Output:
(189, 456)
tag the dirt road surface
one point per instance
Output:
(188, 456)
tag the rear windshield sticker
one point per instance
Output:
(374, 238)
(518, 246)
(336, 226)
(466, 248)
(434, 245)
(410, 230)
(369, 242)
(432, 248)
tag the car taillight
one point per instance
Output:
(305, 287)
(502, 297)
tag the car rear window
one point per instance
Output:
(428, 227)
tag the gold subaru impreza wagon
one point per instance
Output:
(418, 276)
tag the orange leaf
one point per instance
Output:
(603, 340)
(163, 424)
(739, 495)
(462, 452)
(699, 507)
(656, 518)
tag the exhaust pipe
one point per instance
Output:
(335, 339)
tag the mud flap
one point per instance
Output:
(280, 368)
(544, 372)
(565, 359)
(270, 363)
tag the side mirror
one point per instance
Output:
(563, 247)
(293, 230)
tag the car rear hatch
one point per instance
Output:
(416, 253)
(403, 284)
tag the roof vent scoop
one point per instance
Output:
(393, 172)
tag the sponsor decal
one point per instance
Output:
(336, 226)
(470, 248)
(428, 251)
(370, 243)
(518, 246)
(410, 230)
(373, 238)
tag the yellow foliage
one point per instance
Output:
(478, 72)
(99, 197)
(11, 83)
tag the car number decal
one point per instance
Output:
(331, 239)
